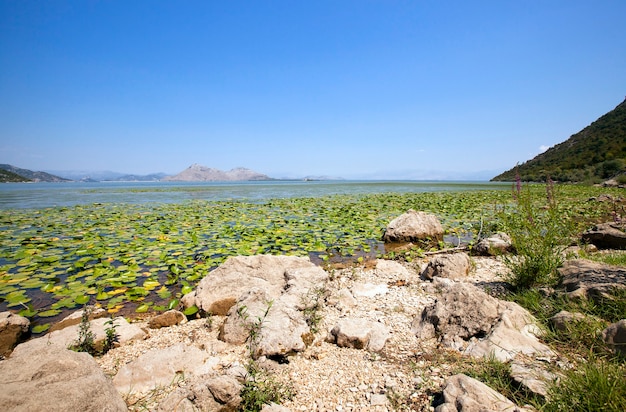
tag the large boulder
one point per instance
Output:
(221, 288)
(271, 327)
(264, 298)
(494, 245)
(12, 328)
(414, 226)
(467, 319)
(56, 379)
(450, 266)
(586, 279)
(606, 236)
(462, 393)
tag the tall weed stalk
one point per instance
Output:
(540, 232)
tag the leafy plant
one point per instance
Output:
(111, 336)
(86, 338)
(539, 233)
(86, 341)
(312, 303)
(261, 389)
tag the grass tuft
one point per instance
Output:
(596, 385)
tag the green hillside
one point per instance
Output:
(596, 153)
(7, 176)
(11, 173)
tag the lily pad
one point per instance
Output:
(81, 300)
(49, 313)
(40, 328)
(143, 308)
(191, 310)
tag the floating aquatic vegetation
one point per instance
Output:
(145, 257)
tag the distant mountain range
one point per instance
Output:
(106, 176)
(199, 173)
(596, 153)
(9, 173)
(194, 173)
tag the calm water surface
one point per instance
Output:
(42, 195)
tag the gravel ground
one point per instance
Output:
(325, 377)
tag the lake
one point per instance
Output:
(44, 195)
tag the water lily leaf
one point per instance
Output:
(81, 300)
(173, 304)
(102, 295)
(49, 313)
(40, 328)
(64, 303)
(164, 293)
(186, 289)
(191, 310)
(143, 308)
(151, 284)
(115, 309)
(28, 313)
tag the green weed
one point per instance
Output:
(497, 375)
(312, 303)
(86, 338)
(540, 232)
(261, 389)
(595, 385)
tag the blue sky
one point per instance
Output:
(356, 89)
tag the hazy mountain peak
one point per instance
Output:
(200, 173)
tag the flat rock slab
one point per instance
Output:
(369, 290)
(66, 337)
(392, 271)
(606, 236)
(587, 279)
(532, 377)
(56, 379)
(162, 366)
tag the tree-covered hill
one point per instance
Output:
(6, 176)
(15, 174)
(598, 152)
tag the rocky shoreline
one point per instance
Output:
(379, 336)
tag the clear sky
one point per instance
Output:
(355, 89)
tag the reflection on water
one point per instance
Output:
(41, 195)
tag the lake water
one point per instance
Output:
(42, 195)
